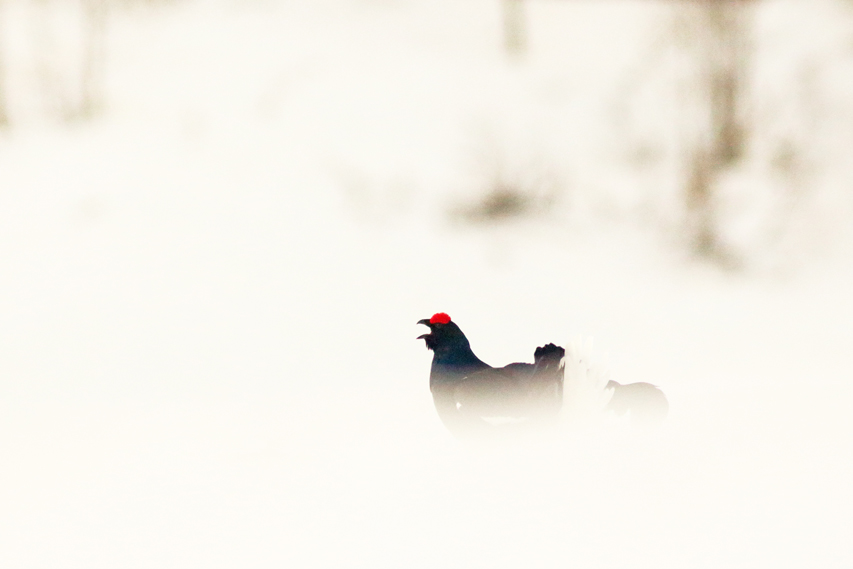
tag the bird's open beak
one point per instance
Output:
(425, 322)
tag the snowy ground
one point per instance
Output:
(209, 299)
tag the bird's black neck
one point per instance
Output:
(454, 365)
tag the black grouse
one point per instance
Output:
(473, 398)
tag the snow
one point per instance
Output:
(209, 297)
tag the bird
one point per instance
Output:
(644, 403)
(474, 399)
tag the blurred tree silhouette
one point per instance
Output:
(515, 33)
(4, 112)
(715, 35)
(720, 29)
(68, 38)
(94, 34)
(64, 48)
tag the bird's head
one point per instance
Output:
(444, 334)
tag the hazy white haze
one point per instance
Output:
(218, 234)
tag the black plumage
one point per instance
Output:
(473, 398)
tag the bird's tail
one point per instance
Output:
(588, 392)
(585, 390)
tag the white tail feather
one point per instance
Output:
(585, 392)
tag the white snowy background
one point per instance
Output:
(208, 291)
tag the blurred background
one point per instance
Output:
(221, 219)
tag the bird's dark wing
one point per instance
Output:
(519, 390)
(492, 393)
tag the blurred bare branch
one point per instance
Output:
(720, 30)
(515, 34)
(4, 112)
(94, 36)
